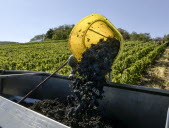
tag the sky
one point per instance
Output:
(21, 20)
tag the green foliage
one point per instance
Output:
(38, 38)
(124, 33)
(49, 34)
(166, 38)
(130, 66)
(140, 37)
(62, 33)
(158, 39)
(48, 55)
(40, 56)
(131, 74)
(59, 33)
(8, 42)
(135, 36)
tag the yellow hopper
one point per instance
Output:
(89, 31)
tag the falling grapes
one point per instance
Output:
(95, 64)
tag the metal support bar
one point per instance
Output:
(41, 83)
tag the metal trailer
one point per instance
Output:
(135, 106)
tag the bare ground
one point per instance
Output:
(158, 75)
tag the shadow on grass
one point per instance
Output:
(152, 81)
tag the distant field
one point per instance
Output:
(47, 56)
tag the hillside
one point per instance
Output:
(158, 75)
(47, 56)
(36, 56)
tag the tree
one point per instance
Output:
(8, 42)
(49, 34)
(140, 37)
(62, 32)
(38, 38)
(134, 36)
(158, 39)
(166, 38)
(124, 33)
(144, 37)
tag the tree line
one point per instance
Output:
(134, 36)
(7, 42)
(62, 33)
(59, 33)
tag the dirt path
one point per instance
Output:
(158, 75)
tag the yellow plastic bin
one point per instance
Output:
(89, 31)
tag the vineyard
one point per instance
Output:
(136, 57)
